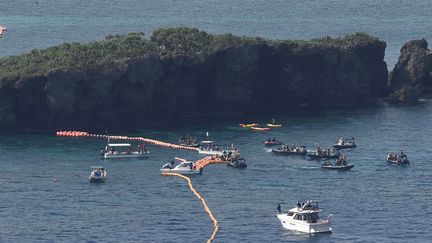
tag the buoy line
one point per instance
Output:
(141, 139)
(206, 208)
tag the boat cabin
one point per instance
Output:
(186, 165)
(308, 212)
(118, 147)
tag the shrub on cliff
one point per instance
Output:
(76, 55)
(164, 41)
(228, 39)
(183, 41)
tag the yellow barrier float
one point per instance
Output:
(200, 164)
(145, 140)
(206, 208)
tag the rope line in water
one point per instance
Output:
(206, 208)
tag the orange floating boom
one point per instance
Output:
(146, 140)
(206, 208)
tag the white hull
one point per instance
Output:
(215, 152)
(210, 152)
(93, 178)
(121, 155)
(322, 226)
(181, 172)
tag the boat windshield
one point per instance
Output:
(185, 164)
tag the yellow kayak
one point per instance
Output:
(274, 125)
(249, 125)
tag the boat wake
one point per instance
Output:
(309, 167)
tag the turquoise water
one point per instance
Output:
(45, 191)
(46, 195)
(52, 22)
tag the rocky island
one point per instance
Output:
(411, 77)
(179, 73)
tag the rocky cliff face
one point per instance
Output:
(227, 78)
(411, 77)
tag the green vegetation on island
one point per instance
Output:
(164, 41)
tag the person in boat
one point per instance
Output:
(279, 208)
(342, 160)
(274, 140)
(191, 165)
(402, 154)
(338, 160)
(319, 151)
(299, 204)
(273, 121)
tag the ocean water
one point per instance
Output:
(46, 195)
(43, 23)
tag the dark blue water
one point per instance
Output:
(52, 22)
(45, 193)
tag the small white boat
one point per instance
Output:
(290, 150)
(305, 218)
(188, 141)
(345, 143)
(98, 174)
(209, 148)
(123, 150)
(184, 168)
(340, 164)
(324, 153)
(399, 159)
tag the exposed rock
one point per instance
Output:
(186, 74)
(411, 77)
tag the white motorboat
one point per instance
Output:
(123, 150)
(184, 168)
(209, 148)
(98, 174)
(304, 218)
